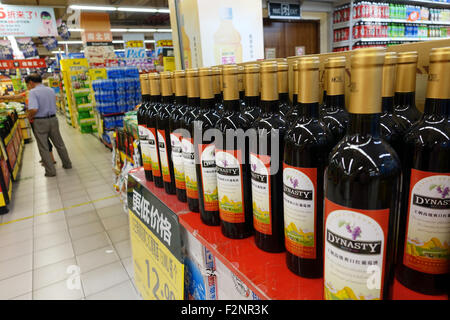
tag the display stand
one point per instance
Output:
(266, 274)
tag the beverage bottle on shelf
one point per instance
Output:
(295, 76)
(252, 88)
(218, 104)
(323, 105)
(307, 146)
(187, 143)
(219, 75)
(362, 184)
(405, 110)
(391, 130)
(163, 132)
(283, 87)
(334, 115)
(292, 114)
(204, 150)
(232, 162)
(241, 86)
(152, 114)
(266, 162)
(142, 126)
(176, 123)
(423, 262)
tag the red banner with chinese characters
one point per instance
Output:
(23, 64)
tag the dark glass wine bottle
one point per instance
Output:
(324, 84)
(251, 78)
(175, 124)
(241, 87)
(218, 99)
(283, 87)
(333, 112)
(232, 162)
(163, 132)
(266, 163)
(152, 114)
(205, 150)
(405, 110)
(423, 255)
(142, 126)
(293, 113)
(391, 129)
(295, 76)
(190, 173)
(307, 146)
(361, 194)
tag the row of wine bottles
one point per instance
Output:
(353, 194)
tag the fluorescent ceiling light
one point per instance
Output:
(117, 41)
(52, 58)
(137, 9)
(71, 42)
(119, 30)
(141, 30)
(58, 51)
(163, 10)
(94, 8)
(149, 41)
(163, 30)
(75, 30)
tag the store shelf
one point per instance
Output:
(346, 43)
(345, 24)
(266, 274)
(425, 3)
(18, 162)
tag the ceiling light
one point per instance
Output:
(119, 30)
(117, 41)
(163, 10)
(149, 41)
(71, 42)
(75, 30)
(52, 58)
(141, 30)
(137, 9)
(58, 51)
(163, 30)
(94, 8)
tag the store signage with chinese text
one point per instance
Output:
(134, 46)
(30, 21)
(284, 10)
(23, 64)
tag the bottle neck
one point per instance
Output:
(437, 107)
(167, 99)
(193, 101)
(309, 110)
(231, 105)
(218, 98)
(334, 102)
(364, 124)
(155, 98)
(241, 95)
(324, 97)
(145, 98)
(251, 102)
(405, 99)
(180, 99)
(387, 104)
(283, 97)
(206, 104)
(270, 106)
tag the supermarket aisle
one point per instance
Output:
(57, 226)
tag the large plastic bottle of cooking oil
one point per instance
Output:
(227, 40)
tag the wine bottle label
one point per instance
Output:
(354, 253)
(153, 151)
(145, 148)
(177, 160)
(230, 185)
(209, 176)
(428, 223)
(190, 175)
(262, 215)
(162, 146)
(299, 197)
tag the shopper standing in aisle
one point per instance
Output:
(42, 110)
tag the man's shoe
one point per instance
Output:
(50, 175)
(67, 167)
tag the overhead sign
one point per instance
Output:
(134, 46)
(27, 21)
(156, 245)
(284, 10)
(23, 64)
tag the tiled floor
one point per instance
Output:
(66, 237)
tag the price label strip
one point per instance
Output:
(156, 245)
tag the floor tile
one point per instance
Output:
(11, 238)
(15, 226)
(79, 209)
(97, 258)
(16, 286)
(51, 240)
(53, 273)
(50, 217)
(16, 266)
(123, 249)
(85, 218)
(110, 211)
(45, 229)
(96, 241)
(16, 250)
(115, 221)
(58, 291)
(119, 234)
(107, 203)
(85, 230)
(122, 291)
(53, 255)
(103, 278)
(26, 296)
(128, 264)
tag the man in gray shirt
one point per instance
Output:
(42, 109)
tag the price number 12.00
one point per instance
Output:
(161, 292)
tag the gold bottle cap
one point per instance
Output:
(308, 80)
(206, 83)
(145, 84)
(241, 78)
(438, 86)
(283, 84)
(180, 83)
(406, 72)
(389, 69)
(295, 67)
(269, 75)
(216, 79)
(193, 90)
(335, 76)
(221, 79)
(166, 83)
(155, 84)
(230, 82)
(251, 77)
(367, 73)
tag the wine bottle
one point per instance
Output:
(266, 163)
(218, 104)
(187, 143)
(307, 146)
(205, 150)
(325, 81)
(251, 78)
(333, 112)
(423, 255)
(293, 113)
(152, 114)
(175, 123)
(361, 194)
(241, 87)
(283, 87)
(295, 94)
(163, 132)
(391, 129)
(232, 162)
(405, 110)
(142, 126)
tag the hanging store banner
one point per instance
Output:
(164, 53)
(27, 46)
(49, 43)
(63, 30)
(29, 21)
(134, 46)
(23, 64)
(6, 51)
